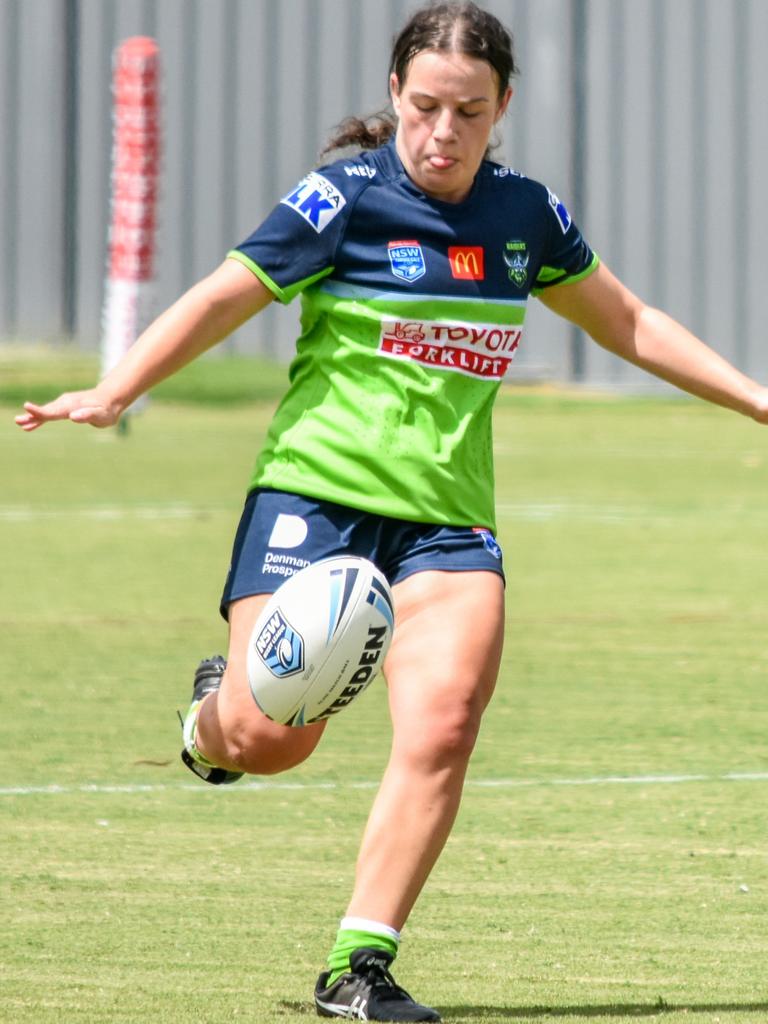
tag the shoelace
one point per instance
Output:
(379, 977)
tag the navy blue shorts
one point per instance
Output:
(280, 533)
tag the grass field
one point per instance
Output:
(610, 860)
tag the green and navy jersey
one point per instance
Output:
(412, 310)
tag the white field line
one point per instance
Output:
(581, 512)
(534, 512)
(530, 511)
(542, 512)
(522, 512)
(107, 513)
(596, 780)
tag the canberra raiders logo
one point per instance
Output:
(516, 257)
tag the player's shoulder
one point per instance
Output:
(327, 191)
(332, 189)
(508, 181)
(508, 184)
(350, 174)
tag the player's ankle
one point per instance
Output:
(357, 933)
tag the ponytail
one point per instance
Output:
(362, 133)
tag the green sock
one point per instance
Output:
(190, 735)
(358, 933)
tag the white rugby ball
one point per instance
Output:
(320, 640)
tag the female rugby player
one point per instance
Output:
(414, 260)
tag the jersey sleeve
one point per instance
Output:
(567, 258)
(296, 244)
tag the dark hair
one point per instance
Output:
(444, 28)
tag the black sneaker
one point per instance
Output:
(368, 992)
(207, 679)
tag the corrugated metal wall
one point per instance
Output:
(646, 116)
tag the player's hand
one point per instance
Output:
(79, 406)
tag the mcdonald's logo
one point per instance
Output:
(467, 262)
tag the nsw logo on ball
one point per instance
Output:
(280, 646)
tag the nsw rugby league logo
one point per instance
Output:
(280, 646)
(407, 260)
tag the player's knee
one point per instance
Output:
(446, 737)
(457, 734)
(261, 747)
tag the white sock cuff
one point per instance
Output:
(362, 924)
(189, 735)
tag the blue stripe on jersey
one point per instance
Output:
(357, 291)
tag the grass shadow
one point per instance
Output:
(619, 1011)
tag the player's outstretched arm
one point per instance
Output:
(201, 318)
(78, 406)
(615, 318)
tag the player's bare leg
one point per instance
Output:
(441, 671)
(231, 730)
